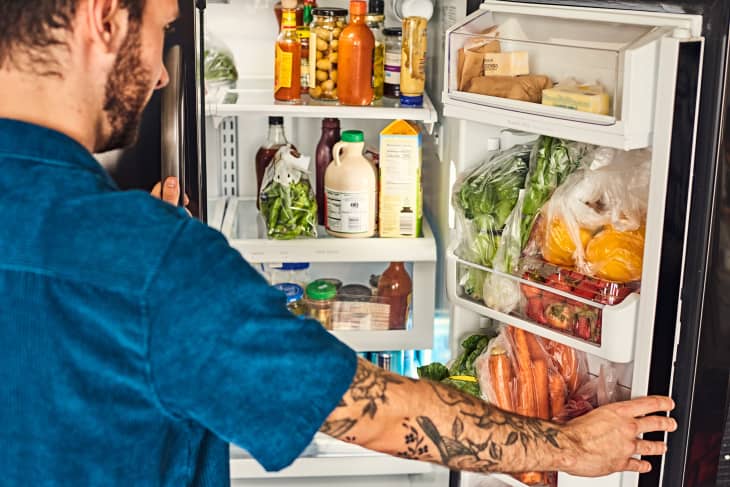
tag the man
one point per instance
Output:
(136, 342)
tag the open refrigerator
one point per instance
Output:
(664, 67)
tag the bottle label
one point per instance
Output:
(392, 68)
(283, 65)
(348, 211)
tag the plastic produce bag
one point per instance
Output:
(522, 373)
(596, 391)
(595, 221)
(287, 201)
(219, 67)
(484, 198)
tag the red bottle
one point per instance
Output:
(355, 77)
(396, 286)
(330, 136)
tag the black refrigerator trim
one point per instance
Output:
(200, 86)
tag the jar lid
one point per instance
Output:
(355, 292)
(276, 120)
(411, 101)
(335, 282)
(376, 7)
(353, 136)
(293, 292)
(329, 12)
(393, 31)
(321, 291)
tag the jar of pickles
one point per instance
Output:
(327, 25)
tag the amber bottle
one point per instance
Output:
(288, 59)
(396, 287)
(355, 84)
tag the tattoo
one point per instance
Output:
(370, 386)
(337, 428)
(451, 396)
(415, 442)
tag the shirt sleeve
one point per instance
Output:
(224, 351)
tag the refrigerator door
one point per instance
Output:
(183, 131)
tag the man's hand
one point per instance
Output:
(427, 421)
(170, 192)
(605, 439)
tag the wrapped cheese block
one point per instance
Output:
(591, 98)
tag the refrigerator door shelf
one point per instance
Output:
(254, 96)
(618, 50)
(619, 322)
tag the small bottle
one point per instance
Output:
(356, 45)
(288, 57)
(375, 20)
(393, 45)
(413, 61)
(396, 287)
(303, 32)
(330, 136)
(266, 152)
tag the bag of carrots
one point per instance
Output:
(522, 373)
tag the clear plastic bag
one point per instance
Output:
(596, 391)
(219, 67)
(287, 201)
(595, 221)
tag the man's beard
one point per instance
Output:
(127, 92)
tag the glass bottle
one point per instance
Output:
(330, 136)
(266, 152)
(396, 287)
(393, 45)
(375, 20)
(303, 32)
(413, 61)
(356, 59)
(288, 58)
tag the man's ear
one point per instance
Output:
(108, 23)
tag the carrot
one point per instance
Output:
(531, 478)
(542, 395)
(526, 405)
(567, 361)
(557, 393)
(500, 370)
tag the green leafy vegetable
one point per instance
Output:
(219, 66)
(435, 371)
(289, 211)
(462, 366)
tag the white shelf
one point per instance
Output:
(618, 330)
(256, 96)
(352, 463)
(244, 229)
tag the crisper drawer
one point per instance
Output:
(586, 74)
(602, 323)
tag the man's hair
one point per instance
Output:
(30, 31)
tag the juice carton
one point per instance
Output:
(401, 193)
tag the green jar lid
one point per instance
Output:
(352, 136)
(321, 291)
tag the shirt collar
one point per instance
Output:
(44, 145)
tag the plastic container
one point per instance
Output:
(356, 48)
(325, 32)
(413, 59)
(393, 46)
(351, 189)
(296, 273)
(320, 295)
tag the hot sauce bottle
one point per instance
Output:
(356, 59)
(288, 59)
(396, 287)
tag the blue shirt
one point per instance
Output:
(135, 342)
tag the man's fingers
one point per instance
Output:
(641, 466)
(157, 191)
(644, 406)
(655, 423)
(649, 448)
(171, 191)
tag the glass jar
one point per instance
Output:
(327, 25)
(393, 46)
(294, 295)
(376, 24)
(320, 295)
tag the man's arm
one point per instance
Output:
(427, 421)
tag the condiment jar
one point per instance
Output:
(320, 295)
(350, 185)
(327, 25)
(413, 61)
(294, 294)
(393, 46)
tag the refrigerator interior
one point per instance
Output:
(636, 56)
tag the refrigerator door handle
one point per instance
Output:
(173, 120)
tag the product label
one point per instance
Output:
(392, 68)
(348, 211)
(400, 186)
(283, 67)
